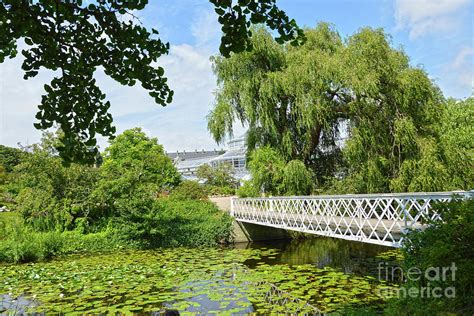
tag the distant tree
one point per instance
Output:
(189, 190)
(3, 175)
(301, 100)
(247, 189)
(205, 172)
(10, 157)
(76, 37)
(223, 174)
(134, 171)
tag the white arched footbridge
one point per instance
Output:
(372, 218)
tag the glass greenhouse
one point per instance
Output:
(187, 163)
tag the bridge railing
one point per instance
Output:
(374, 218)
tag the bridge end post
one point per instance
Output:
(232, 206)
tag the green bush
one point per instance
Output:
(189, 190)
(267, 166)
(10, 157)
(173, 223)
(213, 190)
(273, 175)
(31, 246)
(248, 189)
(102, 241)
(439, 245)
(50, 195)
(19, 243)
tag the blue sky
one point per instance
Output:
(436, 34)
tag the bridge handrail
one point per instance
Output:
(376, 218)
(468, 194)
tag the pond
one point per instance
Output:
(304, 276)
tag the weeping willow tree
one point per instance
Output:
(304, 100)
(283, 94)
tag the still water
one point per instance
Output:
(300, 276)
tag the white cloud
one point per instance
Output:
(462, 57)
(461, 70)
(18, 103)
(422, 17)
(205, 28)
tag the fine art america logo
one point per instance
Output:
(433, 280)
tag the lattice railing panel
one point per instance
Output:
(378, 218)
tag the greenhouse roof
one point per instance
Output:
(232, 154)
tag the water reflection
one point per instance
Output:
(15, 305)
(349, 256)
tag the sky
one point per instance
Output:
(436, 34)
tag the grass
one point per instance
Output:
(7, 220)
(20, 243)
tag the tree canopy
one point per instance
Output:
(74, 38)
(307, 101)
(443, 162)
(48, 194)
(135, 170)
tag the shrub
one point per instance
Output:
(248, 189)
(189, 190)
(213, 190)
(19, 243)
(173, 223)
(221, 175)
(51, 195)
(266, 166)
(272, 175)
(10, 157)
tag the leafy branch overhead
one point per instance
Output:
(73, 39)
(236, 20)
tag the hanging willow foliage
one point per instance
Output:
(302, 100)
